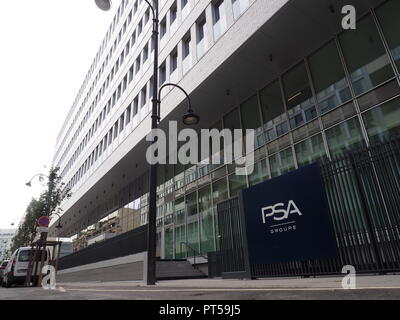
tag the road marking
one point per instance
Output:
(61, 289)
(229, 289)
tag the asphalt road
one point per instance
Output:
(121, 292)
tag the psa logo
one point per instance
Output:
(279, 212)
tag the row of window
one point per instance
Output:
(218, 9)
(142, 57)
(92, 68)
(107, 82)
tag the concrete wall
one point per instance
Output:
(119, 269)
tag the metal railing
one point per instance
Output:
(363, 191)
(195, 253)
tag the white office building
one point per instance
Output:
(283, 67)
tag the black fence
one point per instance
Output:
(363, 191)
(131, 242)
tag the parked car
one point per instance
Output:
(3, 265)
(16, 270)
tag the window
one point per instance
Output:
(186, 47)
(259, 173)
(163, 74)
(145, 53)
(135, 106)
(128, 113)
(174, 61)
(172, 13)
(184, 3)
(116, 129)
(239, 6)
(365, 55)
(139, 28)
(299, 100)
(390, 23)
(143, 97)
(137, 64)
(310, 150)
(201, 26)
(217, 8)
(281, 162)
(329, 82)
(131, 74)
(121, 122)
(384, 121)
(125, 83)
(251, 119)
(163, 28)
(344, 136)
(273, 111)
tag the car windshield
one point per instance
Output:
(24, 255)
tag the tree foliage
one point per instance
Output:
(49, 202)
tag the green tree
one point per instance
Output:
(48, 202)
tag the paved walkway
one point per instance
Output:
(362, 282)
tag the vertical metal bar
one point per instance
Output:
(365, 209)
(152, 215)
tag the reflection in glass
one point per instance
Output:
(193, 238)
(220, 191)
(207, 233)
(251, 120)
(365, 55)
(191, 204)
(329, 79)
(310, 150)
(384, 121)
(299, 101)
(281, 162)
(259, 174)
(236, 183)
(344, 136)
(179, 211)
(180, 237)
(273, 111)
(388, 15)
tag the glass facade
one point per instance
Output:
(312, 111)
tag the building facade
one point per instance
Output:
(285, 68)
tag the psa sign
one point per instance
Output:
(287, 218)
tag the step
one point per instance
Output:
(177, 269)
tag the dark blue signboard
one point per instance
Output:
(287, 218)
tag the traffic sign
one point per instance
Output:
(43, 221)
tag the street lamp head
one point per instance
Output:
(28, 184)
(59, 226)
(104, 5)
(190, 118)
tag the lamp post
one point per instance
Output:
(190, 118)
(29, 183)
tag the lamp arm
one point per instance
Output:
(176, 86)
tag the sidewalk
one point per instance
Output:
(334, 282)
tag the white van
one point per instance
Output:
(17, 267)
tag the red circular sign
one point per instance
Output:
(43, 221)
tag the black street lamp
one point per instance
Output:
(104, 5)
(29, 183)
(190, 118)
